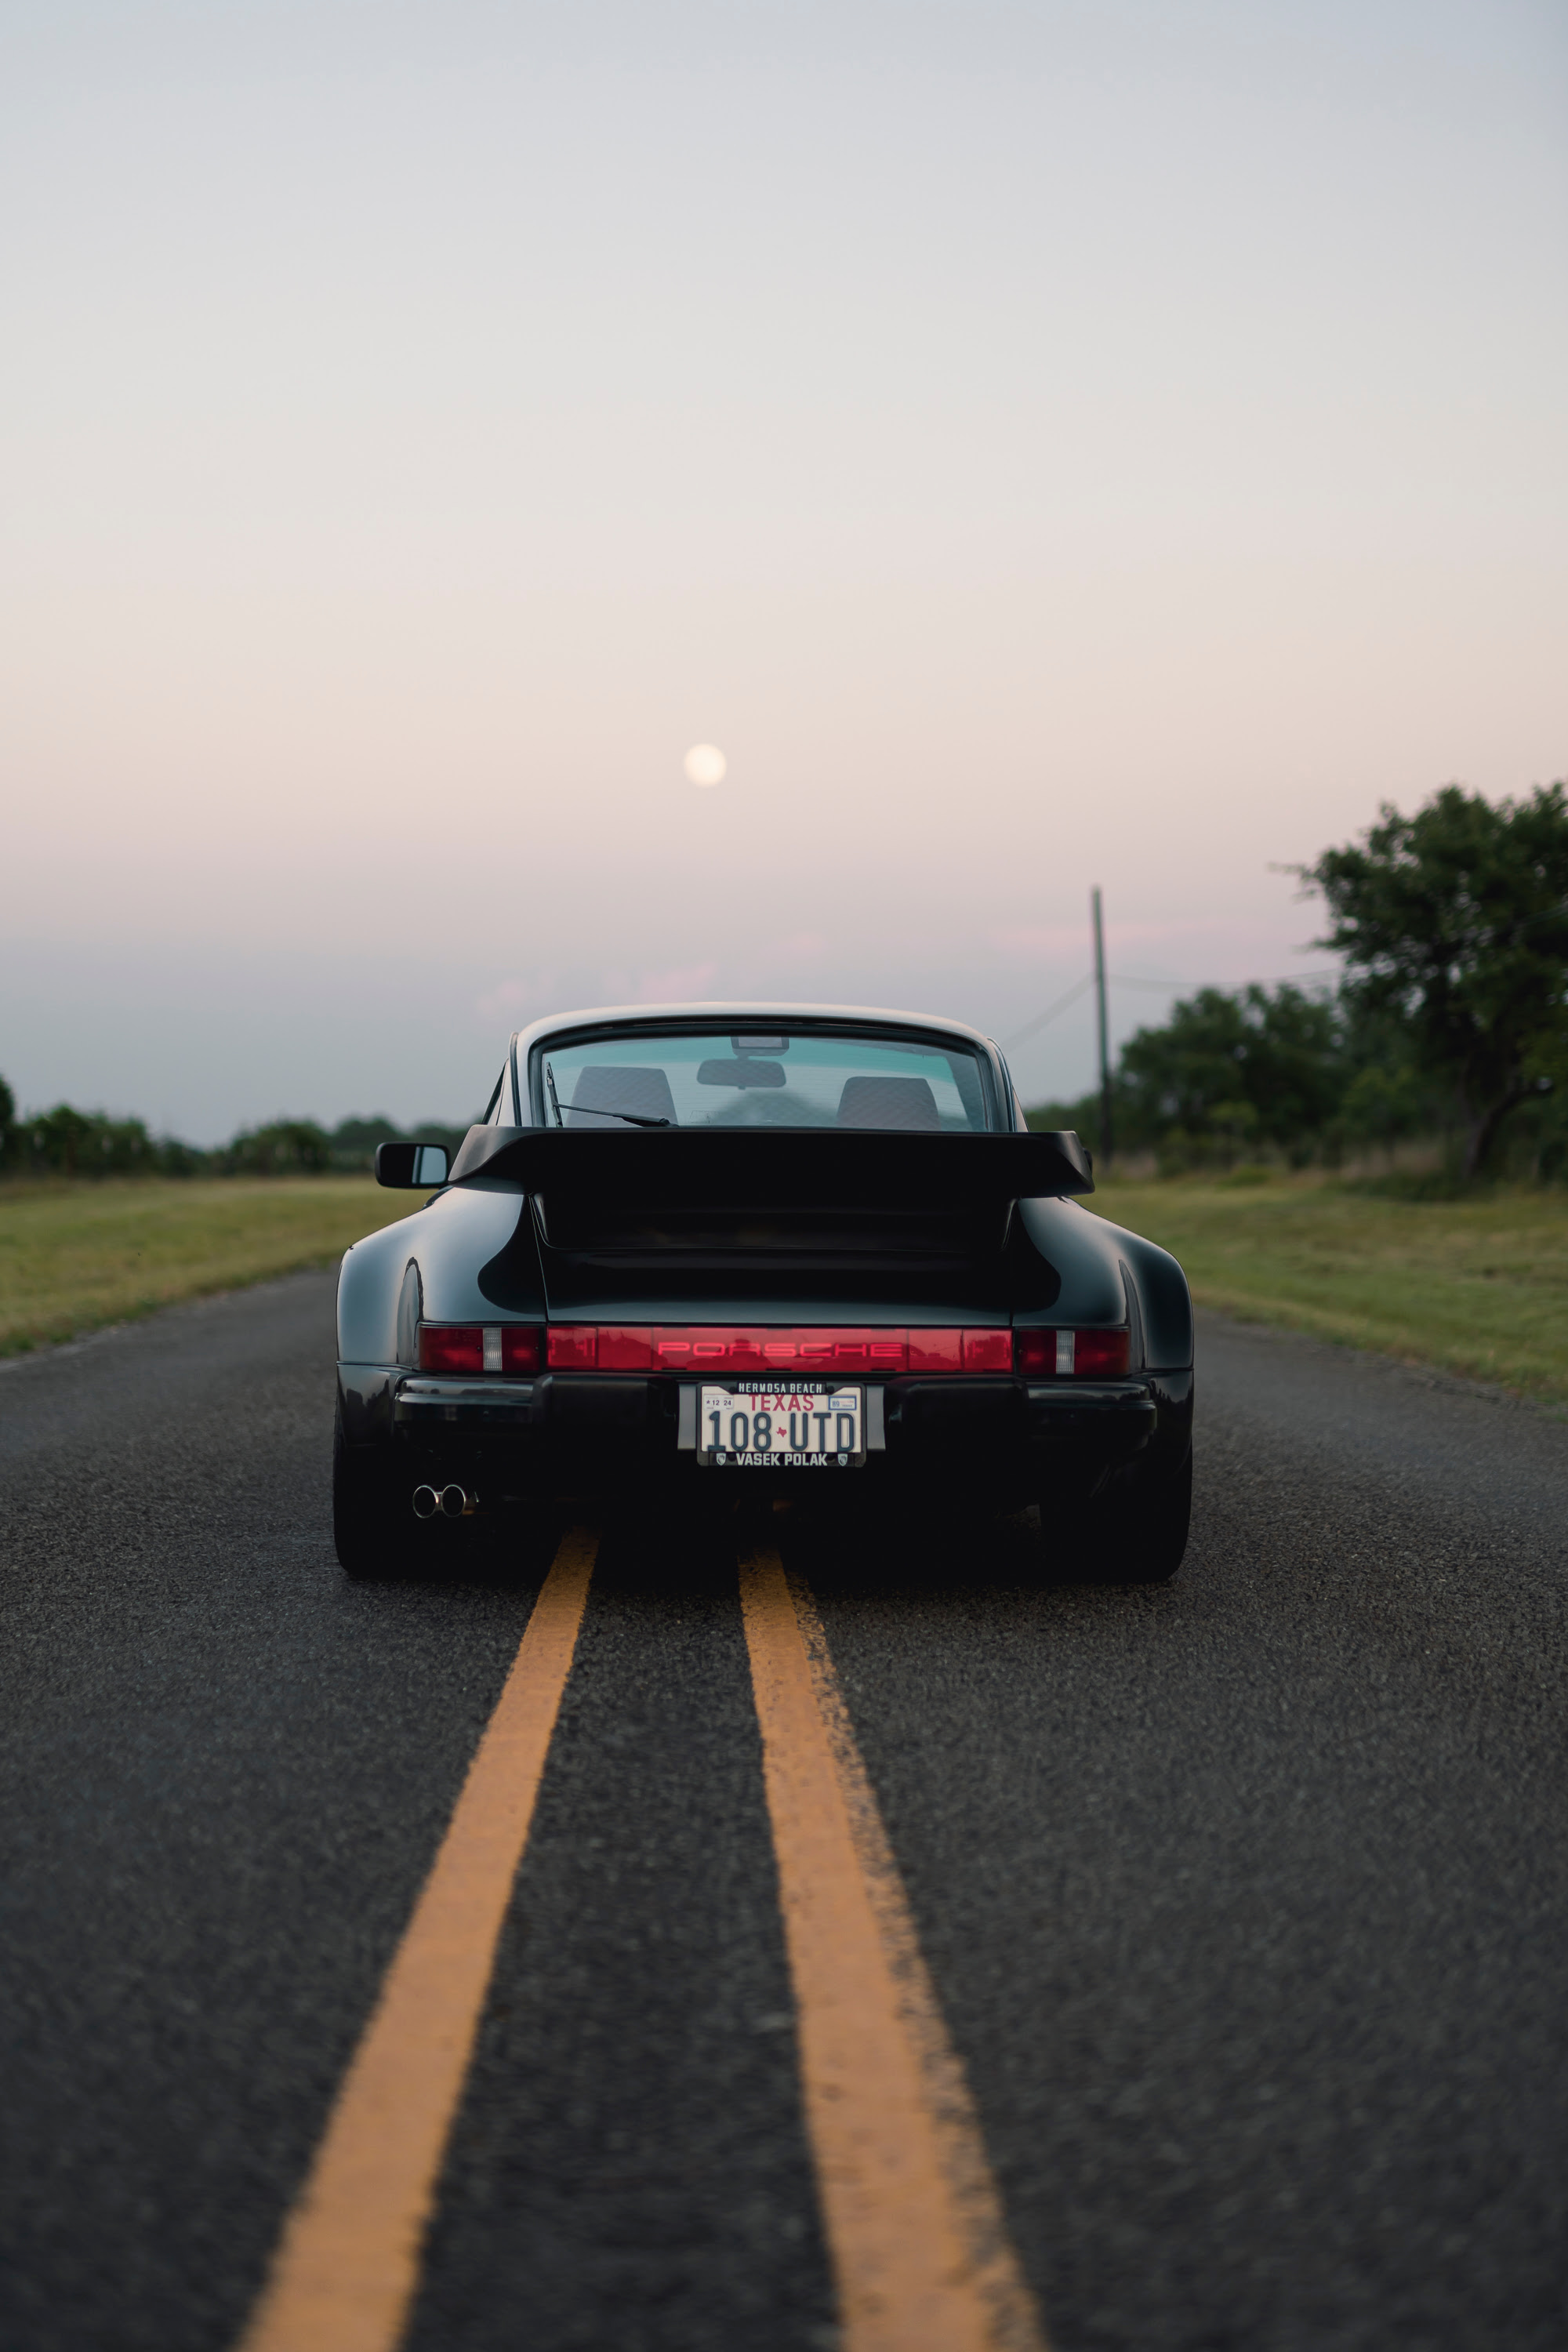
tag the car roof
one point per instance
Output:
(723, 1016)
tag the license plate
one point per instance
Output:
(760, 1428)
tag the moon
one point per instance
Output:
(706, 764)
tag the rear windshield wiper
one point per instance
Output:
(587, 1110)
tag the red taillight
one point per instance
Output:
(623, 1347)
(478, 1347)
(519, 1347)
(1036, 1353)
(717, 1347)
(1102, 1355)
(936, 1351)
(451, 1347)
(1044, 1351)
(571, 1347)
(732, 1348)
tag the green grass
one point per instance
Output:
(1476, 1286)
(75, 1256)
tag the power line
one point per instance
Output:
(1019, 1036)
(1171, 987)
(1274, 980)
(1226, 987)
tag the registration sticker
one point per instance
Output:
(750, 1426)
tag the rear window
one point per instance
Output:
(761, 1077)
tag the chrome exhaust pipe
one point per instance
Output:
(426, 1502)
(458, 1503)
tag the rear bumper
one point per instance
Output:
(562, 1428)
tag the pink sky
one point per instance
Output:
(1041, 446)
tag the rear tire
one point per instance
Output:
(368, 1535)
(1149, 1521)
(1134, 1531)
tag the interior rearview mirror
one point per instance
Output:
(405, 1167)
(741, 1072)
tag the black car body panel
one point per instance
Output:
(771, 1230)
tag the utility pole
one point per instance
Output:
(1107, 1140)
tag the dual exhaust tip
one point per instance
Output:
(444, 1503)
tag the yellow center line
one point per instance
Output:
(347, 2264)
(919, 2247)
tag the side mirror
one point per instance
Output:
(407, 1167)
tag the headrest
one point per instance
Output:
(905, 1103)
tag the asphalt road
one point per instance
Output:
(1246, 1902)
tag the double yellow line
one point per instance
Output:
(921, 2254)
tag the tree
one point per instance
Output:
(1456, 920)
(87, 1144)
(288, 1147)
(353, 1141)
(1233, 1069)
(10, 1141)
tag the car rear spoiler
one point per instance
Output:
(779, 1167)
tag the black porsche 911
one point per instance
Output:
(754, 1249)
